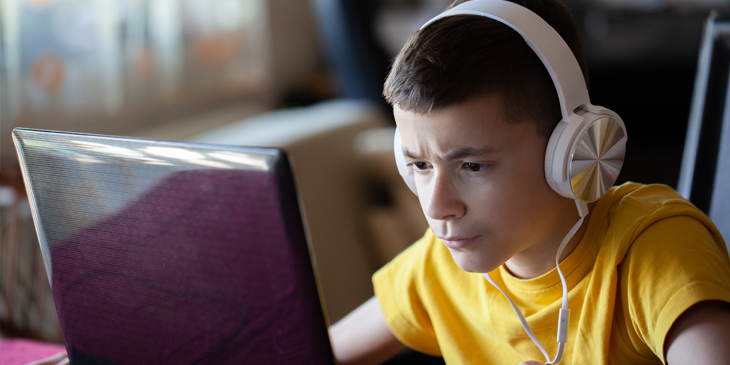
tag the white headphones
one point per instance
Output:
(586, 150)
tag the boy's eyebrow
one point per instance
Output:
(457, 153)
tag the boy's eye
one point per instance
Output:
(420, 165)
(473, 167)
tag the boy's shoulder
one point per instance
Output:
(668, 256)
(648, 198)
(637, 206)
(630, 211)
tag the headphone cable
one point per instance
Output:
(564, 315)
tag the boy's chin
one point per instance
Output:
(473, 264)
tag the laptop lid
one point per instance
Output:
(171, 252)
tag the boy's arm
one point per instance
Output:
(363, 336)
(700, 335)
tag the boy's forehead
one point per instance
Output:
(450, 136)
(477, 128)
(478, 115)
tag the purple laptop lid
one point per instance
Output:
(175, 253)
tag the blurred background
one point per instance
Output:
(304, 75)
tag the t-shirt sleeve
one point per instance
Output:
(399, 288)
(673, 264)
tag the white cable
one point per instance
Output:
(564, 311)
(522, 318)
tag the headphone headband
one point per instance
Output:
(554, 53)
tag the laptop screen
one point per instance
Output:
(167, 252)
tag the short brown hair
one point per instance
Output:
(460, 57)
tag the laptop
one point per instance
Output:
(171, 252)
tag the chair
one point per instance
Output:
(705, 167)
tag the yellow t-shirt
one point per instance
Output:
(646, 256)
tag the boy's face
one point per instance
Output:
(481, 184)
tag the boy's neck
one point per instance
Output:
(540, 259)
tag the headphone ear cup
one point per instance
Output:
(400, 162)
(550, 155)
(585, 154)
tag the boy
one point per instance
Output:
(647, 275)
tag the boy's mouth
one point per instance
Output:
(458, 242)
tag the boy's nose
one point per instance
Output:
(442, 200)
